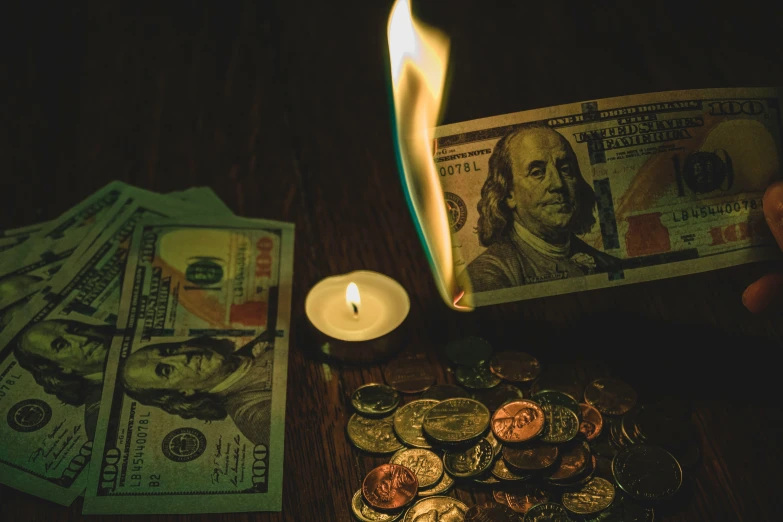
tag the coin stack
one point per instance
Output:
(518, 431)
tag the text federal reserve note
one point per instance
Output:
(191, 419)
(52, 357)
(608, 192)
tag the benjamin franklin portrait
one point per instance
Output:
(534, 203)
(204, 378)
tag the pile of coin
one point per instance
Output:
(536, 440)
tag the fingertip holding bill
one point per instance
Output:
(759, 295)
(773, 210)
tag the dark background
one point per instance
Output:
(283, 109)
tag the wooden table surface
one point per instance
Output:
(283, 108)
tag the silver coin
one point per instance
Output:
(408, 420)
(561, 424)
(373, 435)
(470, 462)
(596, 495)
(439, 509)
(456, 420)
(476, 377)
(444, 486)
(375, 399)
(365, 513)
(423, 463)
(547, 512)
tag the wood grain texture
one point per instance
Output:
(282, 107)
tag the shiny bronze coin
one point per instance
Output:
(533, 456)
(373, 435)
(578, 480)
(547, 512)
(561, 424)
(624, 509)
(573, 459)
(556, 397)
(442, 487)
(525, 497)
(518, 421)
(375, 399)
(596, 495)
(469, 462)
(438, 509)
(409, 374)
(610, 396)
(500, 496)
(456, 420)
(408, 420)
(647, 473)
(490, 512)
(592, 421)
(425, 464)
(515, 366)
(501, 471)
(494, 398)
(389, 486)
(441, 392)
(476, 377)
(365, 513)
(468, 351)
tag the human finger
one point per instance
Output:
(758, 296)
(773, 210)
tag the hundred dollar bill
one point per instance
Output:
(53, 353)
(203, 196)
(608, 192)
(192, 413)
(16, 236)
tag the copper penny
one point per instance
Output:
(409, 374)
(573, 460)
(526, 497)
(389, 486)
(490, 512)
(515, 366)
(592, 422)
(531, 457)
(610, 396)
(518, 421)
(500, 496)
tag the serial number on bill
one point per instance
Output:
(743, 206)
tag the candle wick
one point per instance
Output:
(355, 310)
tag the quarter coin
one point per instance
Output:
(476, 377)
(375, 399)
(425, 465)
(518, 421)
(389, 486)
(469, 462)
(365, 513)
(411, 374)
(373, 435)
(515, 366)
(647, 473)
(555, 397)
(408, 420)
(439, 508)
(456, 420)
(596, 495)
(610, 396)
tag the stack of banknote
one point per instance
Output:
(143, 354)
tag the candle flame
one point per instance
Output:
(352, 298)
(418, 56)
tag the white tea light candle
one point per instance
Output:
(355, 314)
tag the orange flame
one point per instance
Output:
(418, 56)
